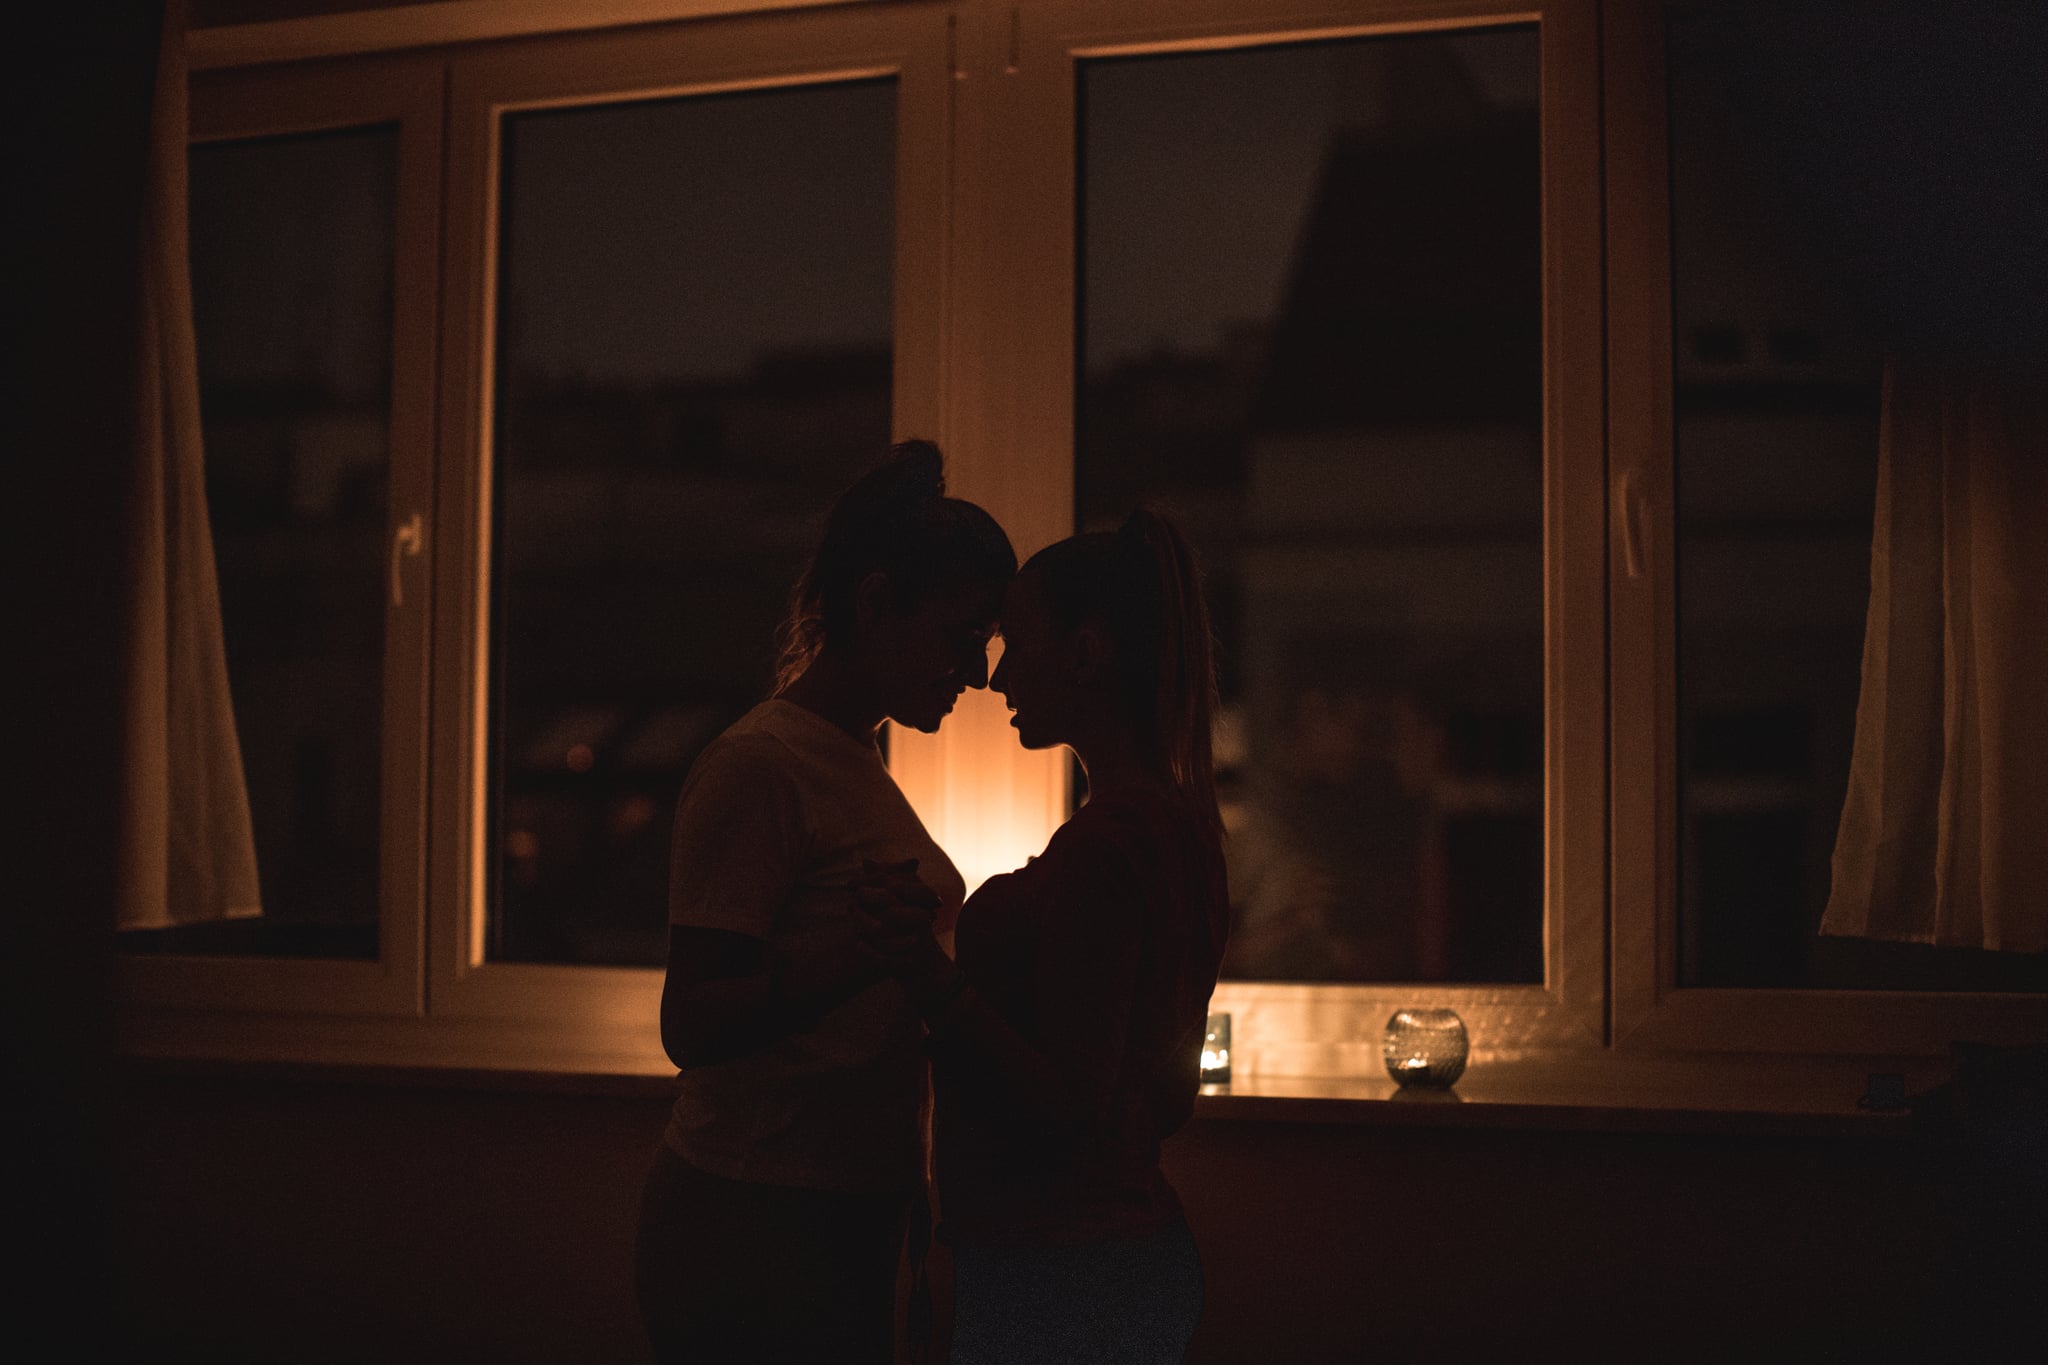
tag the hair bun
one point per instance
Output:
(912, 475)
(919, 465)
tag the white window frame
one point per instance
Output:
(1033, 55)
(1652, 1012)
(616, 1008)
(231, 106)
(985, 363)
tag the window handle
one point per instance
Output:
(405, 544)
(1629, 500)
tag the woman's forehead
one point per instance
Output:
(974, 603)
(1023, 602)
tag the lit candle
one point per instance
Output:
(1425, 1048)
(1216, 1050)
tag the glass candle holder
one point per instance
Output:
(1216, 1050)
(1425, 1048)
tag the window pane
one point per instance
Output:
(292, 257)
(1312, 333)
(1799, 262)
(694, 357)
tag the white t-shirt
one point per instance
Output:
(777, 816)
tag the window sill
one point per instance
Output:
(620, 1085)
(1755, 1096)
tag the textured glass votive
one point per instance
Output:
(1216, 1050)
(1425, 1048)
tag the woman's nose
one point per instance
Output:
(996, 678)
(976, 671)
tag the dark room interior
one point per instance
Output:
(1537, 385)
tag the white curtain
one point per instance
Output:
(188, 854)
(1944, 833)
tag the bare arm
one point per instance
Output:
(727, 994)
(735, 983)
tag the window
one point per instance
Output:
(315, 209)
(694, 324)
(1779, 337)
(1797, 265)
(292, 254)
(1312, 332)
(694, 283)
(1229, 322)
(1477, 350)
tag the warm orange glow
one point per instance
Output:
(986, 800)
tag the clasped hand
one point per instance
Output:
(898, 913)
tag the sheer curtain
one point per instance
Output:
(1944, 833)
(188, 854)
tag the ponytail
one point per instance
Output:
(1183, 681)
(1142, 583)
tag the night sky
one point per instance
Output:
(654, 240)
(675, 238)
(1199, 172)
(683, 271)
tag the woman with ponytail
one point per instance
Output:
(1066, 1041)
(772, 1221)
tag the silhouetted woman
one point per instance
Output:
(1066, 1042)
(772, 1221)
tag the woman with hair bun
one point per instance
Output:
(772, 1220)
(1066, 1041)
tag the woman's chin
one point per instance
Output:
(1028, 736)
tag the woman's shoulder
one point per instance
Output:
(1136, 831)
(747, 751)
(1138, 814)
(1153, 838)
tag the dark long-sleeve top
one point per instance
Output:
(1099, 956)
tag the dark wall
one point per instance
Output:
(303, 1222)
(75, 89)
(1338, 1243)
(309, 1221)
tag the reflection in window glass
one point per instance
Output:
(694, 358)
(292, 258)
(1311, 332)
(1798, 264)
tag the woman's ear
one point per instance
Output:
(868, 602)
(1088, 654)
